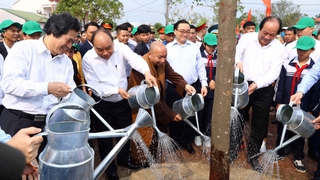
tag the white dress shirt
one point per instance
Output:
(261, 64)
(28, 69)
(292, 52)
(110, 75)
(187, 61)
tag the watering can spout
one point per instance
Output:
(143, 119)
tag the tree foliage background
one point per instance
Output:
(92, 10)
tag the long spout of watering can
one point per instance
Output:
(101, 119)
(106, 134)
(286, 142)
(160, 134)
(113, 153)
(283, 134)
(194, 128)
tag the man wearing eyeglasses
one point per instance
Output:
(185, 58)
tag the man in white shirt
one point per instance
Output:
(259, 56)
(185, 58)
(10, 34)
(104, 68)
(37, 74)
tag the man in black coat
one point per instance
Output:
(144, 34)
(89, 29)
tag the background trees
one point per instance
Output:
(92, 10)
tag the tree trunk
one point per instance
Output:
(219, 165)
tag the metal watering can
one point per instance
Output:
(143, 96)
(240, 94)
(68, 155)
(295, 120)
(188, 105)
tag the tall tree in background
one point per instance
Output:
(93, 10)
(214, 4)
(286, 10)
(179, 9)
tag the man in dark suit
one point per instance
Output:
(10, 34)
(144, 34)
(89, 29)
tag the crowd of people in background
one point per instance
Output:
(39, 67)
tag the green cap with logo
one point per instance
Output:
(305, 43)
(7, 23)
(304, 23)
(134, 30)
(168, 29)
(31, 27)
(210, 39)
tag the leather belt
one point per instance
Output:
(34, 117)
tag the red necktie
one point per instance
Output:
(296, 77)
(210, 64)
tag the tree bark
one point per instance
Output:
(220, 137)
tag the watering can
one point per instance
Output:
(84, 100)
(240, 94)
(296, 120)
(68, 155)
(142, 96)
(188, 105)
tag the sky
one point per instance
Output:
(152, 11)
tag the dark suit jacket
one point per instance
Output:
(3, 50)
(141, 49)
(86, 46)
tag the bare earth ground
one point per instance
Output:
(196, 167)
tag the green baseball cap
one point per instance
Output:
(210, 39)
(76, 46)
(168, 29)
(7, 23)
(315, 33)
(305, 43)
(304, 23)
(134, 30)
(31, 27)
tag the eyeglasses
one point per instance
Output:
(183, 31)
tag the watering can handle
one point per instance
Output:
(292, 103)
(63, 106)
(94, 89)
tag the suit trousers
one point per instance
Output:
(260, 101)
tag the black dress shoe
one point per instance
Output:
(189, 148)
(113, 176)
(129, 164)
